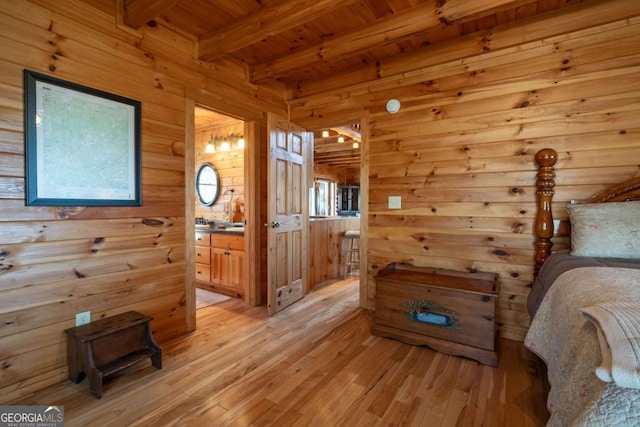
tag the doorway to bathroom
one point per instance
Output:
(219, 207)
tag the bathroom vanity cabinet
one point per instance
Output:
(220, 262)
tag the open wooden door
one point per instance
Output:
(288, 213)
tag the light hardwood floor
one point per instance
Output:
(314, 364)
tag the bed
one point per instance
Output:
(585, 304)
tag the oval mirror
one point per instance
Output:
(207, 184)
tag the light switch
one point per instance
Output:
(395, 202)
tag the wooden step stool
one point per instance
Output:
(110, 345)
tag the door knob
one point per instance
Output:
(273, 224)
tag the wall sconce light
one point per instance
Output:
(230, 142)
(341, 139)
(356, 144)
(211, 147)
(325, 134)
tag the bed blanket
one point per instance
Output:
(618, 328)
(560, 262)
(567, 342)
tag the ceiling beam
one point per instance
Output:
(139, 12)
(335, 149)
(549, 24)
(345, 131)
(337, 157)
(268, 21)
(353, 161)
(422, 18)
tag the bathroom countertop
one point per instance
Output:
(229, 230)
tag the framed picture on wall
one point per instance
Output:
(82, 145)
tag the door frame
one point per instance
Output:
(252, 210)
(256, 132)
(366, 297)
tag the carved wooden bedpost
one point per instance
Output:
(545, 159)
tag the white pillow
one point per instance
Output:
(605, 230)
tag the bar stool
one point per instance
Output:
(352, 258)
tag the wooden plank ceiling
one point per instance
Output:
(292, 43)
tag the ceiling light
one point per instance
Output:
(341, 139)
(325, 134)
(393, 106)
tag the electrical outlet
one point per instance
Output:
(395, 202)
(83, 318)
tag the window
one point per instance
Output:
(348, 200)
(323, 201)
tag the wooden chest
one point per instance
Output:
(450, 311)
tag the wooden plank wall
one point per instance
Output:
(474, 113)
(230, 166)
(58, 262)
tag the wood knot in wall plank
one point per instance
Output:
(69, 211)
(153, 222)
(5, 267)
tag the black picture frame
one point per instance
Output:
(82, 145)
